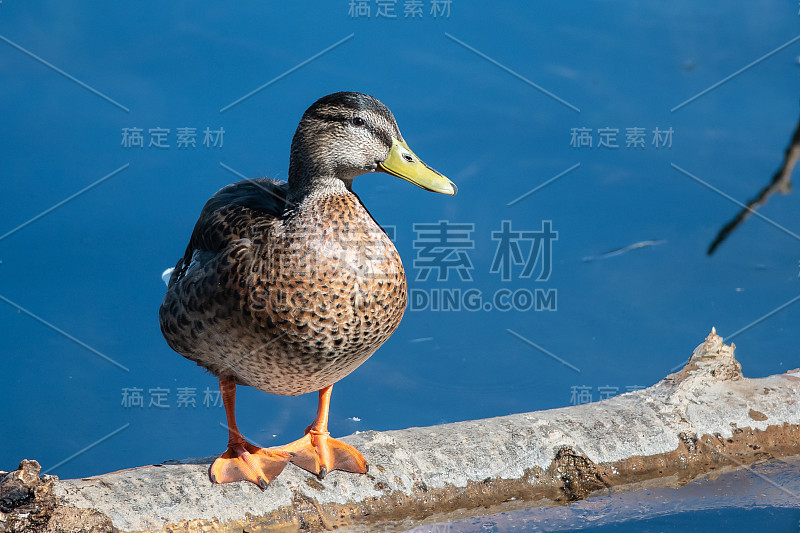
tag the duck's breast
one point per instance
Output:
(330, 284)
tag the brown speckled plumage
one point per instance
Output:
(287, 299)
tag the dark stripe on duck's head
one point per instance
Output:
(344, 106)
(352, 101)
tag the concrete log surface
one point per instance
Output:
(705, 417)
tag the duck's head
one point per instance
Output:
(346, 134)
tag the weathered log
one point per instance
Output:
(705, 417)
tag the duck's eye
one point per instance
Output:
(358, 121)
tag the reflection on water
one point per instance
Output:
(780, 182)
(766, 494)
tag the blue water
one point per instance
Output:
(485, 94)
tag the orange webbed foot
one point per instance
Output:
(245, 462)
(319, 453)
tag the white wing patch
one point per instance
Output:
(198, 261)
(166, 275)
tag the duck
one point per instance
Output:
(288, 287)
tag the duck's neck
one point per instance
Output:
(310, 181)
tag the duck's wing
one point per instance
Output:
(233, 215)
(208, 284)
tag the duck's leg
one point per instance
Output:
(242, 461)
(318, 452)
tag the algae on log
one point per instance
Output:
(703, 418)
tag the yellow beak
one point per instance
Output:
(403, 163)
